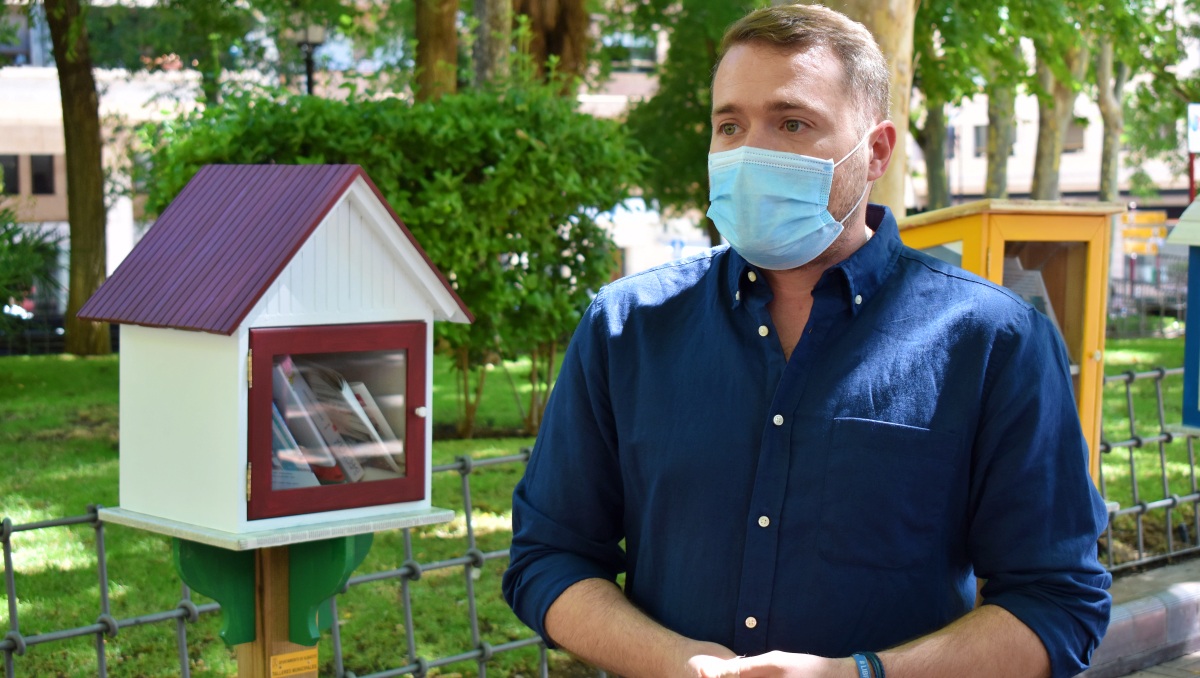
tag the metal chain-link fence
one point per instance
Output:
(1149, 478)
(16, 643)
(1148, 474)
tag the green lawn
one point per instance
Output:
(58, 444)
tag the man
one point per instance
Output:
(813, 442)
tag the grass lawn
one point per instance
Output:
(58, 444)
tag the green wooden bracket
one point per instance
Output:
(225, 576)
(317, 570)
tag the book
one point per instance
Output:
(289, 468)
(1031, 287)
(313, 409)
(392, 443)
(360, 443)
(297, 417)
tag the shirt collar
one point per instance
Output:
(860, 275)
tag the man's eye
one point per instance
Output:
(728, 129)
(793, 125)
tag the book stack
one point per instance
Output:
(327, 429)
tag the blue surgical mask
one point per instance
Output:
(772, 206)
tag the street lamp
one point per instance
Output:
(309, 39)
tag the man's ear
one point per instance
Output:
(882, 142)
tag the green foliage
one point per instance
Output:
(137, 37)
(958, 46)
(214, 36)
(1156, 109)
(674, 125)
(501, 187)
(27, 255)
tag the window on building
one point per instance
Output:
(42, 168)
(630, 52)
(981, 141)
(8, 165)
(981, 134)
(1073, 138)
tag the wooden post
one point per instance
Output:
(1191, 177)
(272, 655)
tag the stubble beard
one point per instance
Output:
(844, 192)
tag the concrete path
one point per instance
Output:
(1155, 625)
(1188, 665)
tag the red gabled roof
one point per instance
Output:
(221, 243)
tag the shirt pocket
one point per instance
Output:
(886, 493)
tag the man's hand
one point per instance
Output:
(788, 665)
(709, 660)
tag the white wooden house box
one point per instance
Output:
(275, 344)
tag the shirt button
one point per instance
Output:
(751, 622)
(857, 299)
(763, 331)
(752, 276)
(737, 295)
(764, 521)
(778, 420)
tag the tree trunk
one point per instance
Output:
(558, 28)
(85, 173)
(1002, 111)
(1055, 111)
(494, 40)
(1110, 83)
(541, 382)
(891, 22)
(470, 401)
(437, 49)
(932, 139)
(210, 73)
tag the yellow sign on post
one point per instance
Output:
(1145, 232)
(294, 663)
(1144, 217)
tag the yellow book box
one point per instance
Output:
(1055, 255)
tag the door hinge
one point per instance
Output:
(250, 368)
(248, 466)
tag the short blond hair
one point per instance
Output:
(794, 28)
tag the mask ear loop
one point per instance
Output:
(867, 188)
(855, 149)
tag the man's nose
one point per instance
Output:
(760, 137)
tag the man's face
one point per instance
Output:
(794, 102)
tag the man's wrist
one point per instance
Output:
(846, 667)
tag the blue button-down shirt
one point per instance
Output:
(923, 433)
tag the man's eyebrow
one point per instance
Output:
(777, 106)
(726, 109)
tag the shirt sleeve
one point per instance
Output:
(1035, 514)
(568, 508)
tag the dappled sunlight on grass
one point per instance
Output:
(1126, 358)
(57, 549)
(482, 522)
(82, 471)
